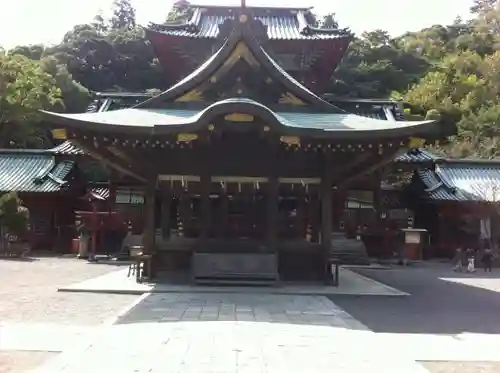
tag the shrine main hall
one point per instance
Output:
(245, 167)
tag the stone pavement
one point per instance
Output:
(43, 337)
(28, 292)
(267, 308)
(190, 333)
(117, 282)
(35, 318)
(232, 347)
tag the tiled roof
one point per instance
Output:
(127, 197)
(281, 24)
(100, 193)
(417, 156)
(154, 119)
(367, 108)
(463, 181)
(24, 172)
(66, 148)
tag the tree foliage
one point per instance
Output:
(14, 217)
(25, 88)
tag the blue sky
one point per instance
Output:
(46, 21)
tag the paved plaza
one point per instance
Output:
(37, 322)
(442, 302)
(437, 328)
(235, 333)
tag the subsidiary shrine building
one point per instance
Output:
(242, 157)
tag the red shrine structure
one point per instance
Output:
(309, 54)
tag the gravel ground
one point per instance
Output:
(28, 293)
(435, 306)
(460, 367)
(22, 361)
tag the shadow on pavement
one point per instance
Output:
(436, 305)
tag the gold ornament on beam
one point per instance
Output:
(290, 99)
(416, 142)
(239, 117)
(186, 137)
(290, 140)
(211, 127)
(194, 95)
(59, 134)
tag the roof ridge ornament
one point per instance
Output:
(191, 25)
(306, 29)
(243, 22)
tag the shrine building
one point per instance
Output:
(244, 165)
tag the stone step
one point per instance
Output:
(235, 282)
(349, 251)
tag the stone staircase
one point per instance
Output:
(348, 250)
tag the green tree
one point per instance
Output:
(123, 15)
(75, 96)
(179, 12)
(25, 88)
(33, 52)
(14, 217)
(103, 58)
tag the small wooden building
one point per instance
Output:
(457, 201)
(50, 185)
(252, 171)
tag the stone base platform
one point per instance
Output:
(118, 283)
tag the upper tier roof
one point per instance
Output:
(241, 77)
(281, 23)
(309, 53)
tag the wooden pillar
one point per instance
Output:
(205, 182)
(148, 236)
(326, 213)
(272, 212)
(166, 203)
(112, 190)
(205, 185)
(272, 193)
(224, 214)
(301, 214)
(112, 196)
(378, 195)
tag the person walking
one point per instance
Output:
(471, 258)
(487, 260)
(459, 260)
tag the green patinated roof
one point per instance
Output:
(158, 121)
(24, 172)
